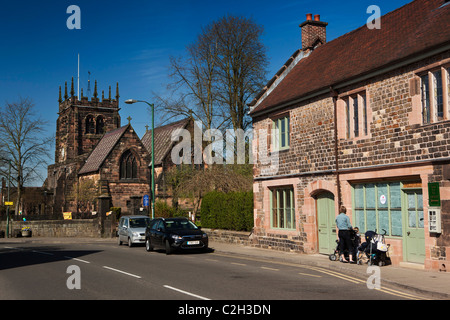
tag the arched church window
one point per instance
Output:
(90, 124)
(128, 166)
(100, 129)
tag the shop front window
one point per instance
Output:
(378, 208)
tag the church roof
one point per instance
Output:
(163, 139)
(101, 151)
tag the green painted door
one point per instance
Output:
(326, 223)
(415, 233)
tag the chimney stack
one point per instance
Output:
(314, 32)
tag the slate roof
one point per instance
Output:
(417, 27)
(163, 141)
(102, 150)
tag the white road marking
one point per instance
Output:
(42, 252)
(309, 275)
(185, 292)
(76, 259)
(128, 274)
(267, 268)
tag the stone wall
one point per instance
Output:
(57, 228)
(267, 241)
(229, 236)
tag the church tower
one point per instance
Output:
(82, 122)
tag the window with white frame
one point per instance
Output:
(435, 94)
(356, 119)
(281, 130)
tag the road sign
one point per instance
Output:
(9, 203)
(146, 200)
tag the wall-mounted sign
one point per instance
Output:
(434, 197)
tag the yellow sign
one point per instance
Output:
(9, 203)
(67, 215)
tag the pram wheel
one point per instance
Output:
(332, 257)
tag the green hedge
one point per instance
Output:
(163, 210)
(229, 211)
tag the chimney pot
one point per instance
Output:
(309, 16)
(317, 17)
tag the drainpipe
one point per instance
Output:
(334, 95)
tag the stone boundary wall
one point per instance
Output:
(278, 242)
(229, 236)
(56, 228)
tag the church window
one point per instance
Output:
(128, 166)
(90, 124)
(100, 129)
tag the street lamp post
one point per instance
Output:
(152, 106)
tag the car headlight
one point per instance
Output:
(204, 235)
(135, 234)
(176, 237)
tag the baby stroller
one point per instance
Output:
(374, 249)
(354, 237)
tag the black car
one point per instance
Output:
(173, 234)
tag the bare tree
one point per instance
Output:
(23, 144)
(242, 65)
(219, 177)
(84, 195)
(194, 77)
(220, 74)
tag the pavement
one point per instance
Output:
(433, 284)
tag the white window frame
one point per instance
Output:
(280, 142)
(431, 96)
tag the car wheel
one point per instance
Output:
(130, 244)
(148, 245)
(168, 247)
(118, 241)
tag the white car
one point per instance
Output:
(132, 229)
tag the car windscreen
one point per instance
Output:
(180, 224)
(139, 222)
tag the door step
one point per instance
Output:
(412, 265)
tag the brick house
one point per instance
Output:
(363, 121)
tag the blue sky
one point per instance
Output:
(130, 42)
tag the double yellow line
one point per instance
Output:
(359, 281)
(330, 273)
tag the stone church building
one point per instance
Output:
(92, 145)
